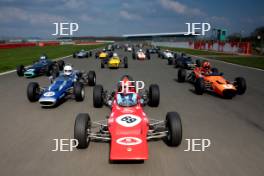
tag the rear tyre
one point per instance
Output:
(81, 128)
(154, 95)
(78, 91)
(134, 55)
(199, 86)
(20, 70)
(50, 69)
(240, 84)
(176, 65)
(61, 64)
(198, 62)
(174, 127)
(181, 75)
(169, 61)
(33, 92)
(148, 56)
(98, 96)
(91, 78)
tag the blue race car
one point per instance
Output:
(41, 67)
(82, 54)
(61, 88)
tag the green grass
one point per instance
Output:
(250, 61)
(196, 52)
(10, 58)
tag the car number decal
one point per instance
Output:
(129, 141)
(128, 120)
(49, 94)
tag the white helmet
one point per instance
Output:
(140, 50)
(114, 55)
(42, 57)
(67, 70)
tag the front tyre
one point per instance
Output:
(33, 92)
(81, 128)
(199, 86)
(241, 86)
(98, 96)
(78, 91)
(91, 78)
(174, 127)
(154, 95)
(181, 75)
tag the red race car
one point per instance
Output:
(128, 127)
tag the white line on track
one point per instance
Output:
(242, 66)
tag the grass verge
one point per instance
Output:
(10, 58)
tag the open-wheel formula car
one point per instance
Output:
(167, 54)
(127, 128)
(82, 54)
(184, 61)
(43, 66)
(141, 55)
(114, 62)
(212, 81)
(69, 84)
(103, 54)
(154, 50)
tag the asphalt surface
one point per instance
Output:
(235, 127)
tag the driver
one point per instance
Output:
(67, 70)
(206, 68)
(140, 50)
(115, 55)
(127, 99)
(43, 58)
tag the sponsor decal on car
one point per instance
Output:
(128, 120)
(129, 141)
(228, 86)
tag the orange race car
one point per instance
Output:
(206, 78)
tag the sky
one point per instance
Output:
(35, 18)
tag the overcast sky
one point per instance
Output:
(28, 18)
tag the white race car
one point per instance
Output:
(141, 55)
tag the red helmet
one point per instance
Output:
(206, 65)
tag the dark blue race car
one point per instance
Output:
(184, 61)
(61, 88)
(43, 66)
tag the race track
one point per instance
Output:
(235, 127)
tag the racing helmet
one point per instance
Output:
(67, 70)
(140, 50)
(206, 65)
(114, 55)
(104, 50)
(43, 57)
